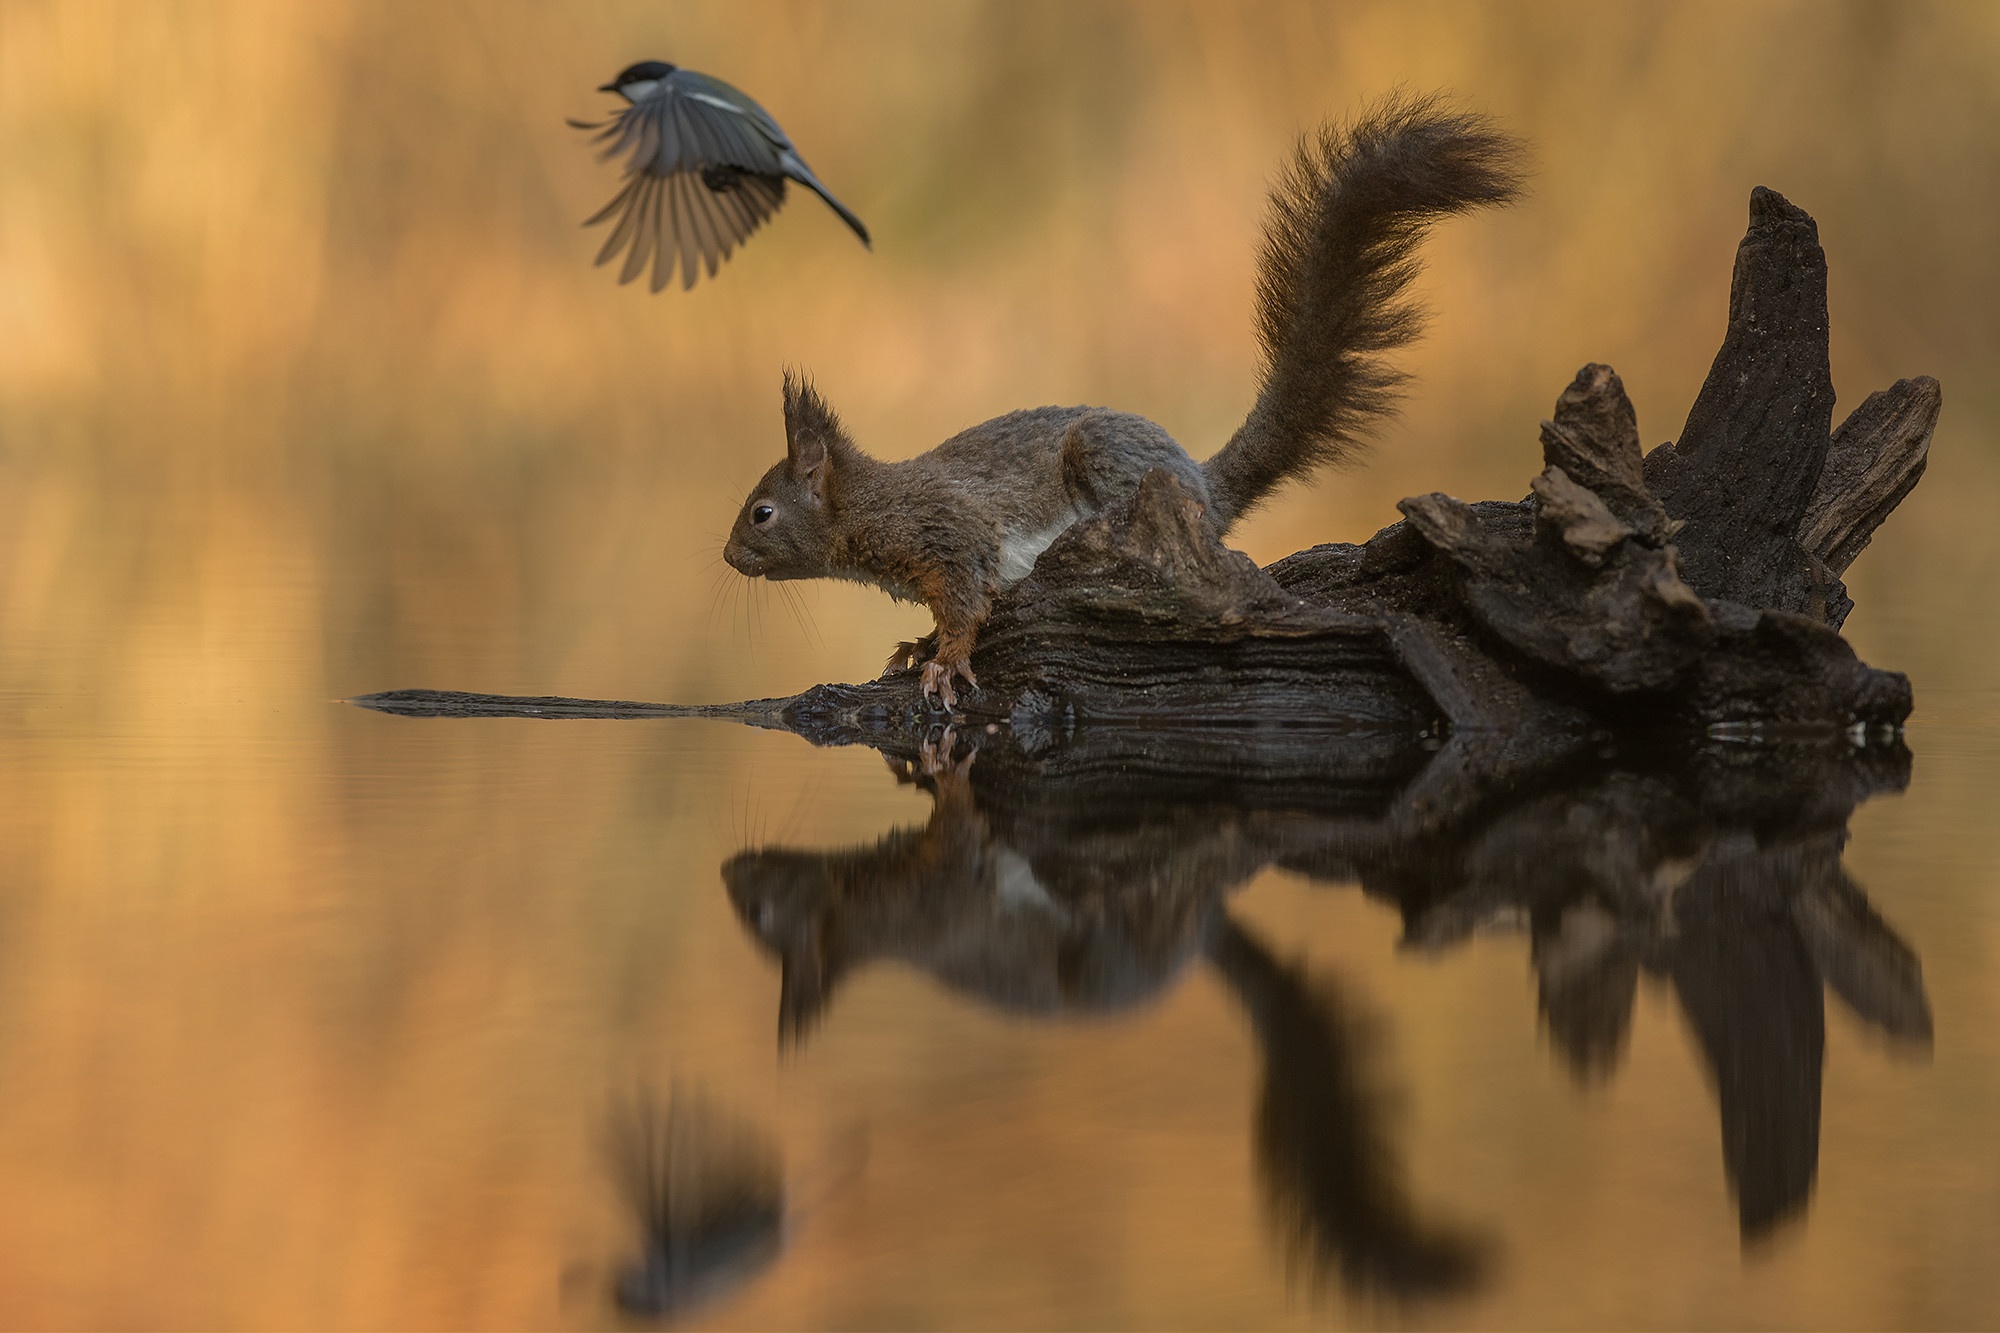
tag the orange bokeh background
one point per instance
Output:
(308, 388)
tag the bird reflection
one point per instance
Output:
(707, 1190)
(1717, 870)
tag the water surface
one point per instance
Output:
(312, 1016)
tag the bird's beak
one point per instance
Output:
(607, 87)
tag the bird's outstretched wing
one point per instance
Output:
(704, 169)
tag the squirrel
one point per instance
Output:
(952, 527)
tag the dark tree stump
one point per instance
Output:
(1695, 589)
(1744, 469)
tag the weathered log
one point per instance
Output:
(1694, 590)
(1876, 458)
(1594, 441)
(556, 707)
(1743, 471)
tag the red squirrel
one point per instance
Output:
(950, 528)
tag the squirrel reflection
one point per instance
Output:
(1718, 872)
(970, 909)
(1101, 917)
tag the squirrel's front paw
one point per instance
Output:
(938, 675)
(936, 756)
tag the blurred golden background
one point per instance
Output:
(308, 388)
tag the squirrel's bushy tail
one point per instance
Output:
(1339, 253)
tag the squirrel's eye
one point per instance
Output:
(761, 514)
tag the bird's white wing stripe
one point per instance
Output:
(712, 100)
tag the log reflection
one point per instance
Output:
(1717, 871)
(1724, 879)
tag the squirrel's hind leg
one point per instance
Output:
(903, 656)
(1105, 455)
(1086, 479)
(946, 664)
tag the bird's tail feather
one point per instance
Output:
(800, 172)
(1338, 257)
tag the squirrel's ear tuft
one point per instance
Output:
(805, 986)
(806, 413)
(811, 432)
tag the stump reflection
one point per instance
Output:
(1717, 870)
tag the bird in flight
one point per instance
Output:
(705, 166)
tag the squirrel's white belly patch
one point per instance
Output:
(1020, 550)
(1016, 887)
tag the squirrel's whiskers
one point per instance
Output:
(801, 613)
(722, 588)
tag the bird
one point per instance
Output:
(707, 166)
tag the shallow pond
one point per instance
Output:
(339, 1023)
(312, 1016)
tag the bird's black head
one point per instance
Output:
(645, 72)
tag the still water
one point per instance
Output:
(1658, 1046)
(312, 1016)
